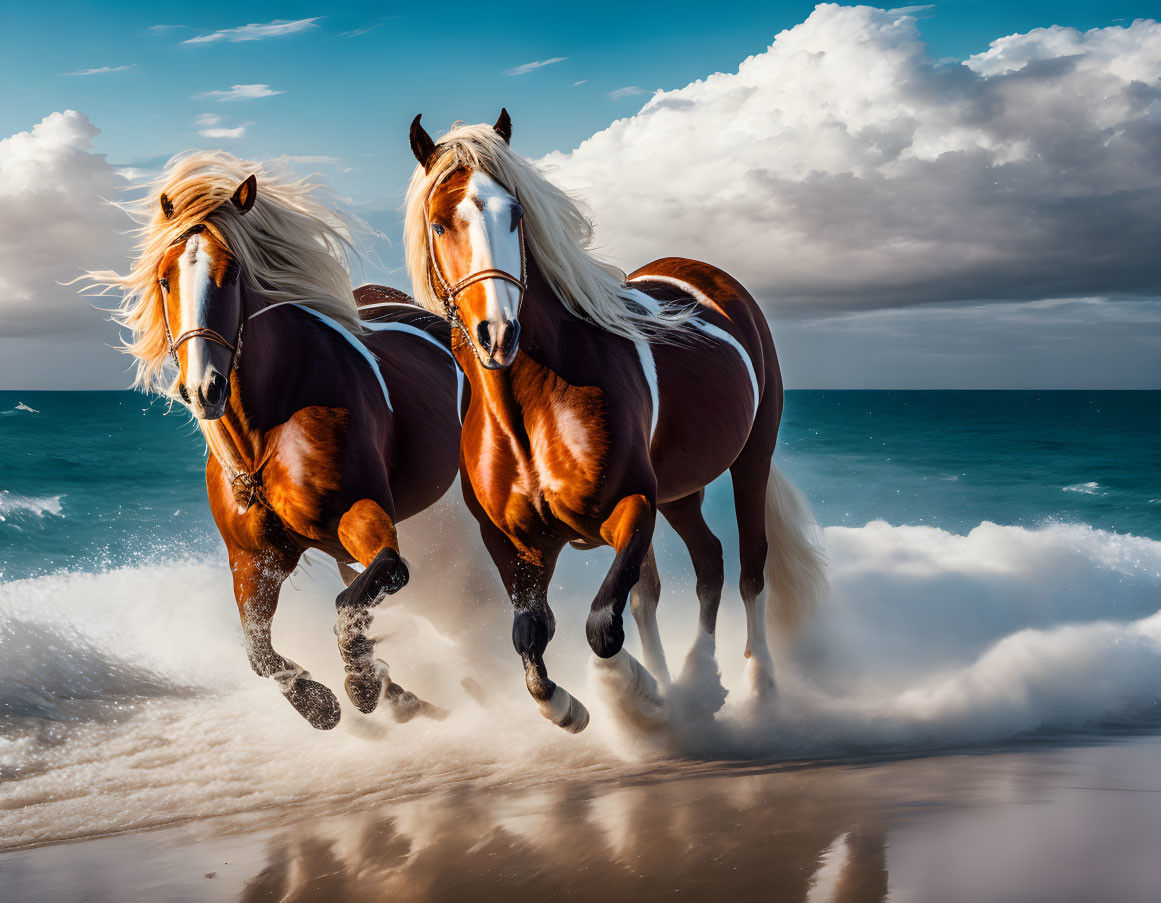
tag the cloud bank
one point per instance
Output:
(844, 169)
(55, 224)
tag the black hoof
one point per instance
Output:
(314, 702)
(606, 632)
(397, 579)
(364, 690)
(387, 575)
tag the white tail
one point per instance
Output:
(795, 562)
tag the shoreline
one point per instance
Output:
(852, 830)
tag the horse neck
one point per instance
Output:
(267, 357)
(544, 324)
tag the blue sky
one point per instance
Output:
(908, 213)
(353, 97)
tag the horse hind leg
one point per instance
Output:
(643, 604)
(700, 680)
(257, 581)
(367, 532)
(749, 476)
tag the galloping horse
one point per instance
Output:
(325, 430)
(595, 402)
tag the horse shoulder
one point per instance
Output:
(308, 462)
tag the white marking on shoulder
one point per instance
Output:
(708, 329)
(427, 336)
(346, 334)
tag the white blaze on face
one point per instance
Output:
(195, 265)
(487, 211)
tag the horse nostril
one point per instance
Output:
(216, 390)
(508, 341)
(484, 334)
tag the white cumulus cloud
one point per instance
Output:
(845, 169)
(55, 224)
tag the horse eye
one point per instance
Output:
(164, 283)
(437, 228)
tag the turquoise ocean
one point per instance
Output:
(94, 479)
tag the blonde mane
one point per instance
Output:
(558, 233)
(290, 246)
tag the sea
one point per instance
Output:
(995, 582)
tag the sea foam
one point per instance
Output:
(13, 505)
(126, 700)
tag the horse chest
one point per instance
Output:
(547, 472)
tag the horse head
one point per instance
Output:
(476, 251)
(201, 297)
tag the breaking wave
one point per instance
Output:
(1090, 488)
(12, 505)
(126, 700)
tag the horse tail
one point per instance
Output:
(796, 577)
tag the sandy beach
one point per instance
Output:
(1032, 823)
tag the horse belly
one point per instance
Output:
(707, 409)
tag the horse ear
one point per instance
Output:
(246, 194)
(503, 126)
(166, 206)
(421, 144)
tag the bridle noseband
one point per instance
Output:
(210, 335)
(449, 292)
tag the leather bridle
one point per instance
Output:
(210, 335)
(450, 292)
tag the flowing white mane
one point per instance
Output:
(557, 231)
(290, 246)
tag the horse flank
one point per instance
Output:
(558, 232)
(290, 246)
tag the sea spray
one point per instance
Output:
(928, 639)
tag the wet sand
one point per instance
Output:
(1044, 822)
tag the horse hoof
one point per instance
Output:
(699, 691)
(635, 691)
(761, 679)
(565, 710)
(314, 702)
(364, 689)
(399, 576)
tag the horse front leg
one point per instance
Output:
(526, 578)
(258, 578)
(367, 532)
(629, 530)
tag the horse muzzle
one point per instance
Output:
(208, 399)
(498, 343)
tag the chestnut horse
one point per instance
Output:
(325, 430)
(596, 402)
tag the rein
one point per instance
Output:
(451, 312)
